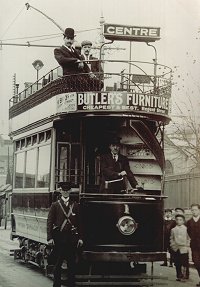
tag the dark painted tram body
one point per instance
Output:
(60, 133)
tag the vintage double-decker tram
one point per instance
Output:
(61, 130)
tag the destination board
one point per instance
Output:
(131, 33)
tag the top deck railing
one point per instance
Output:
(142, 78)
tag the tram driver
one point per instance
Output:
(115, 170)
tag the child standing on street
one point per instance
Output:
(179, 242)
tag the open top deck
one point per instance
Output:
(144, 93)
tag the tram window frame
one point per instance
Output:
(15, 171)
(41, 137)
(48, 136)
(29, 141)
(49, 165)
(34, 139)
(17, 145)
(35, 145)
(23, 143)
(71, 176)
(31, 162)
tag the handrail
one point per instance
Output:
(122, 195)
(49, 77)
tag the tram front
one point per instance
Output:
(122, 218)
(121, 199)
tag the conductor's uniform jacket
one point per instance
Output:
(56, 217)
(110, 170)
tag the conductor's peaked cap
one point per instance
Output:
(65, 185)
(69, 33)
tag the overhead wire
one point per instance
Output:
(29, 37)
(12, 22)
(40, 36)
(44, 39)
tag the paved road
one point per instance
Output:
(15, 274)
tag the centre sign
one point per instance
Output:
(131, 33)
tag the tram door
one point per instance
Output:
(68, 163)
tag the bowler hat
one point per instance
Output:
(86, 42)
(65, 185)
(69, 32)
(115, 140)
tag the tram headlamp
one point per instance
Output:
(127, 225)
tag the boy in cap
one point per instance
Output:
(63, 231)
(92, 62)
(179, 242)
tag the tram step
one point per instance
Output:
(121, 283)
(144, 276)
(121, 280)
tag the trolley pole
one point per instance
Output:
(155, 65)
(102, 41)
(130, 58)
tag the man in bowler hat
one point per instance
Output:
(72, 64)
(63, 232)
(115, 169)
(67, 56)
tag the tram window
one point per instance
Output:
(28, 141)
(43, 166)
(30, 168)
(41, 137)
(34, 139)
(17, 145)
(75, 164)
(63, 162)
(48, 135)
(19, 170)
(68, 164)
(22, 143)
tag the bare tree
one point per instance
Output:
(186, 130)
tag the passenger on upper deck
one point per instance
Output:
(67, 56)
(94, 65)
(78, 48)
(72, 64)
(115, 169)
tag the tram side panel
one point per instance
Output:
(31, 198)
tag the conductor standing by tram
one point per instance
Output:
(115, 170)
(63, 232)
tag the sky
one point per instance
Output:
(178, 48)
